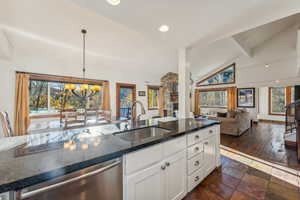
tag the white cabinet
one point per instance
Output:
(203, 156)
(175, 176)
(167, 171)
(163, 181)
(147, 184)
(209, 155)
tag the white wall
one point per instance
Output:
(45, 37)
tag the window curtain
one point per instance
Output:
(288, 95)
(197, 102)
(232, 98)
(21, 120)
(161, 101)
(106, 96)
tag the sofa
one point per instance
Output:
(234, 122)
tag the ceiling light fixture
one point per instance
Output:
(164, 28)
(85, 90)
(114, 2)
(277, 81)
(267, 66)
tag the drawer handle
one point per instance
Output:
(163, 167)
(168, 164)
(197, 149)
(197, 137)
(206, 143)
(210, 131)
(197, 163)
(196, 178)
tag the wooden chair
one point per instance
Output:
(7, 130)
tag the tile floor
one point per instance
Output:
(247, 179)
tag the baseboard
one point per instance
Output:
(271, 121)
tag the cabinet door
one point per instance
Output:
(147, 184)
(175, 176)
(209, 155)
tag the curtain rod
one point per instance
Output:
(22, 72)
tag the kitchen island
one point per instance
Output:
(29, 160)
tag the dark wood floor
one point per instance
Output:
(265, 141)
(236, 181)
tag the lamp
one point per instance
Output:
(85, 90)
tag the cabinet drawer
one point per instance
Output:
(194, 138)
(173, 146)
(195, 150)
(200, 135)
(195, 179)
(195, 163)
(143, 158)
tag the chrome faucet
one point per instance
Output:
(133, 107)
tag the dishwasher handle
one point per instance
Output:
(21, 196)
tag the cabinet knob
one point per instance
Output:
(167, 164)
(197, 178)
(197, 163)
(163, 167)
(196, 148)
(197, 137)
(210, 131)
(206, 143)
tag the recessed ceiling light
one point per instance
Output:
(114, 2)
(164, 28)
(267, 66)
(277, 81)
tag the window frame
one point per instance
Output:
(219, 71)
(118, 97)
(153, 87)
(213, 90)
(58, 79)
(286, 100)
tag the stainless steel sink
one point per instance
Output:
(143, 134)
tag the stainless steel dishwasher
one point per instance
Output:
(100, 182)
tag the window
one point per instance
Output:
(153, 92)
(48, 97)
(126, 95)
(213, 98)
(277, 100)
(224, 76)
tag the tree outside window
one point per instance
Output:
(48, 97)
(213, 98)
(277, 99)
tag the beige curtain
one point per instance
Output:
(161, 101)
(232, 98)
(106, 96)
(288, 95)
(21, 121)
(197, 102)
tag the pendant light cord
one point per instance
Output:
(83, 31)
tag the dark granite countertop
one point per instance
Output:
(32, 159)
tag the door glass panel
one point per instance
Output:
(126, 99)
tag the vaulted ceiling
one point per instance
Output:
(192, 21)
(206, 59)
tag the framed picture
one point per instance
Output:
(246, 97)
(142, 93)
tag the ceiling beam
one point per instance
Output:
(245, 50)
(6, 47)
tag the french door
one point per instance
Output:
(126, 95)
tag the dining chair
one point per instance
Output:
(7, 130)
